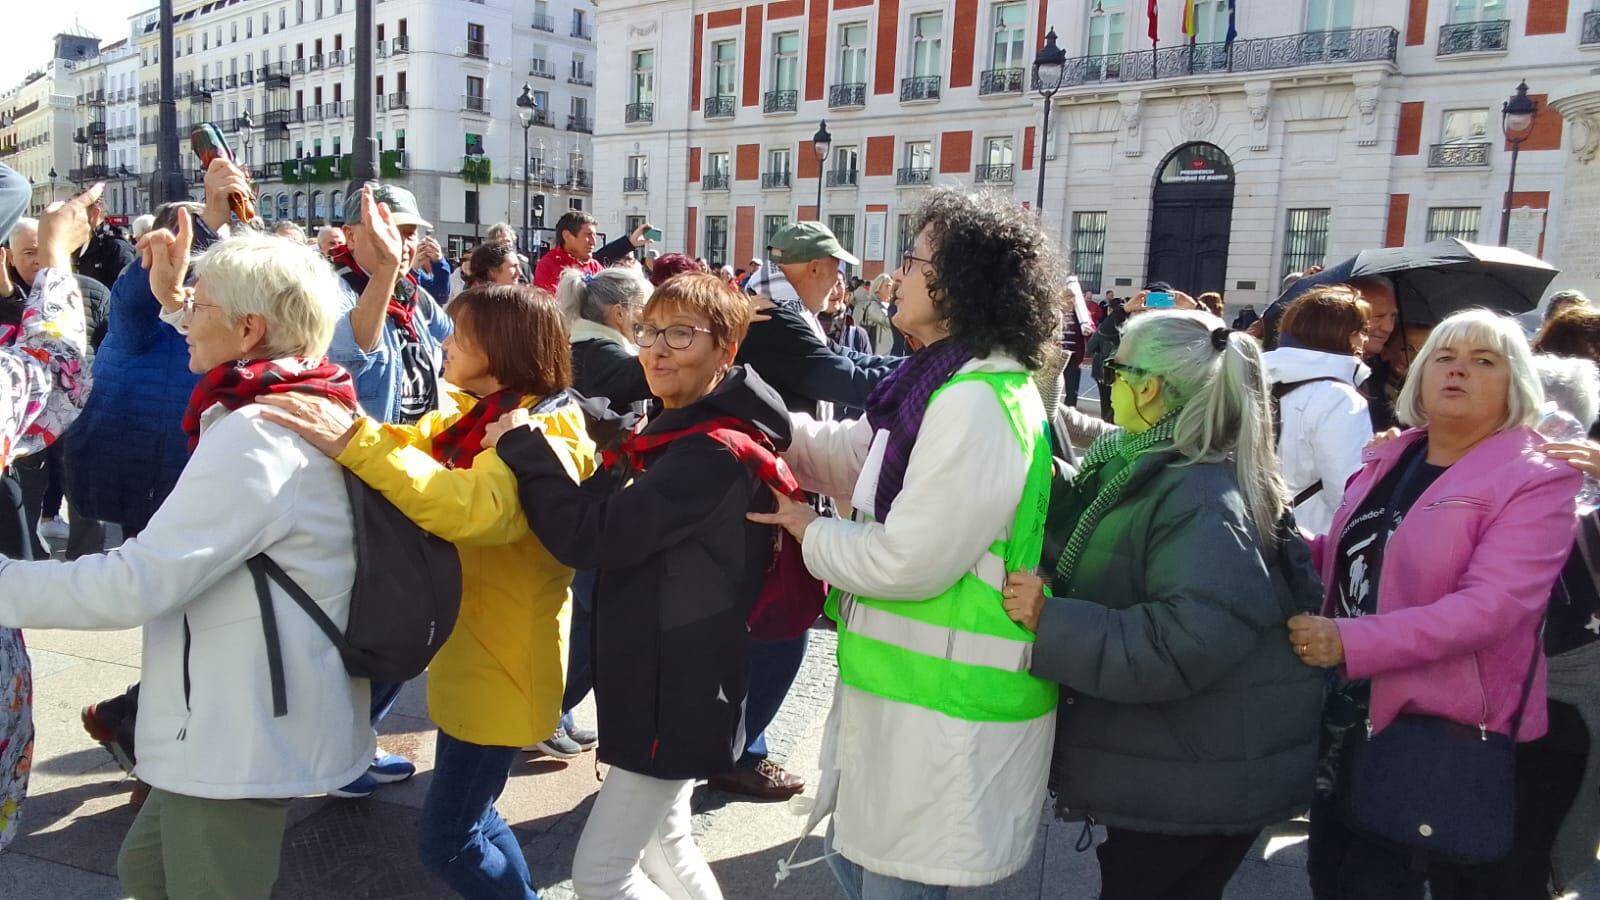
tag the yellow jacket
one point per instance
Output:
(498, 679)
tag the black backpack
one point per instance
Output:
(403, 605)
(1279, 391)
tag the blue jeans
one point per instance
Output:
(773, 667)
(858, 884)
(461, 837)
(580, 649)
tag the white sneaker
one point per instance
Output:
(53, 529)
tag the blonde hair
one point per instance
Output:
(1502, 334)
(878, 283)
(286, 283)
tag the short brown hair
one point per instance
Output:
(486, 258)
(572, 222)
(521, 331)
(706, 295)
(1574, 333)
(1211, 302)
(1323, 318)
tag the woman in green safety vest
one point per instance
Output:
(937, 749)
(1189, 727)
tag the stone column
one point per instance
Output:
(1577, 213)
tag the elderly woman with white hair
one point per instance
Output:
(1438, 568)
(221, 765)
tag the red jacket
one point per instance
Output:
(548, 273)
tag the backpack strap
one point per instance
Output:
(262, 570)
(1279, 391)
(1301, 498)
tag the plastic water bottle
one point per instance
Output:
(1559, 427)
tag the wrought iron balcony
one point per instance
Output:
(1001, 81)
(995, 174)
(1474, 37)
(314, 63)
(780, 102)
(921, 87)
(847, 96)
(635, 113)
(635, 184)
(311, 114)
(273, 76)
(720, 107)
(581, 77)
(399, 100)
(478, 49)
(582, 31)
(774, 180)
(1591, 28)
(277, 117)
(149, 138)
(335, 110)
(89, 173)
(1315, 48)
(914, 176)
(200, 92)
(539, 68)
(544, 22)
(539, 117)
(230, 82)
(297, 66)
(149, 97)
(473, 103)
(95, 98)
(335, 58)
(844, 178)
(580, 124)
(714, 181)
(578, 179)
(1458, 155)
(399, 44)
(264, 173)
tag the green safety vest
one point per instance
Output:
(959, 653)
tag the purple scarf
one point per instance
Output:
(899, 402)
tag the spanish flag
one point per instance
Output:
(1189, 27)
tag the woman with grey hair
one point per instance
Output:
(1192, 726)
(222, 766)
(1438, 569)
(601, 310)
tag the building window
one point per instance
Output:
(786, 61)
(908, 238)
(717, 164)
(576, 203)
(1305, 239)
(844, 228)
(1010, 37)
(1210, 21)
(771, 225)
(1089, 249)
(639, 167)
(919, 155)
(470, 203)
(1459, 222)
(717, 239)
(1465, 125)
(474, 144)
(997, 151)
(1108, 22)
(724, 68)
(643, 88)
(1478, 10)
(853, 53)
(846, 159)
(927, 45)
(1329, 15)
(778, 161)
(476, 47)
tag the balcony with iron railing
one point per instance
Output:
(400, 43)
(580, 124)
(335, 58)
(311, 114)
(297, 66)
(579, 179)
(1590, 35)
(719, 107)
(580, 77)
(780, 102)
(1459, 155)
(994, 173)
(89, 173)
(1001, 81)
(399, 100)
(149, 97)
(635, 184)
(274, 76)
(149, 138)
(1315, 48)
(478, 49)
(338, 109)
(314, 63)
(200, 92)
(474, 103)
(638, 113)
(229, 82)
(247, 78)
(839, 178)
(913, 176)
(541, 117)
(544, 22)
(847, 96)
(714, 181)
(775, 181)
(539, 68)
(582, 31)
(1474, 37)
(263, 173)
(541, 174)
(921, 87)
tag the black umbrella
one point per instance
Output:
(1434, 280)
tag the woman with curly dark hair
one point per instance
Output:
(937, 748)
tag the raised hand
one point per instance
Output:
(166, 255)
(223, 181)
(376, 245)
(64, 228)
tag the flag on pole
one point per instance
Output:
(1188, 20)
(1155, 30)
(1233, 24)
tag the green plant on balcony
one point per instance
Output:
(477, 170)
(389, 164)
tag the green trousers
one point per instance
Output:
(191, 848)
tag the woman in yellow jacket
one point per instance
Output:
(496, 684)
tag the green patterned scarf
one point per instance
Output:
(1121, 444)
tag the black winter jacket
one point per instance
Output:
(602, 368)
(804, 368)
(1186, 710)
(679, 567)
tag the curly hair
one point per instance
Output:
(1574, 333)
(996, 275)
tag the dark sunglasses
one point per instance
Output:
(1116, 370)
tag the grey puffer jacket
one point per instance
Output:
(1186, 711)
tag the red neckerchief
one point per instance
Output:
(457, 446)
(749, 446)
(236, 384)
(401, 311)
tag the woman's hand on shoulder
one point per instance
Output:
(1581, 455)
(511, 421)
(323, 423)
(791, 515)
(1023, 596)
(1316, 641)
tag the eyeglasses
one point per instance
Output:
(189, 307)
(1116, 370)
(907, 258)
(679, 337)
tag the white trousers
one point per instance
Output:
(637, 844)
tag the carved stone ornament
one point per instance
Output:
(1258, 100)
(1586, 139)
(1367, 90)
(644, 30)
(1197, 116)
(1131, 102)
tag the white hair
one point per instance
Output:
(582, 296)
(1492, 331)
(1573, 385)
(26, 224)
(290, 230)
(141, 225)
(328, 230)
(1225, 411)
(502, 231)
(286, 283)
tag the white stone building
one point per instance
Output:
(1324, 127)
(37, 119)
(106, 133)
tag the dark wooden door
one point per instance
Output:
(1189, 244)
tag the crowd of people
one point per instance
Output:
(1337, 561)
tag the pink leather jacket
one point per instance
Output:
(1464, 584)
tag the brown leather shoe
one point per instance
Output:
(766, 781)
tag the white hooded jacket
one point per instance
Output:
(1325, 427)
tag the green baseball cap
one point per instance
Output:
(401, 202)
(805, 242)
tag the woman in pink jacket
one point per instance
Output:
(1438, 567)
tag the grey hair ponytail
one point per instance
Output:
(1216, 378)
(583, 297)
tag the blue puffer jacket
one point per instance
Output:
(126, 450)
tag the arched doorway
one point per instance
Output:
(1191, 219)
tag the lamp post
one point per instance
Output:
(122, 188)
(52, 184)
(1048, 68)
(821, 143)
(475, 153)
(247, 124)
(525, 112)
(82, 140)
(1516, 120)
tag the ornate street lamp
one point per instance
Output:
(1516, 120)
(821, 143)
(525, 114)
(1048, 69)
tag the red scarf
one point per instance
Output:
(749, 446)
(400, 310)
(239, 383)
(457, 446)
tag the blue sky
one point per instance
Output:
(28, 35)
